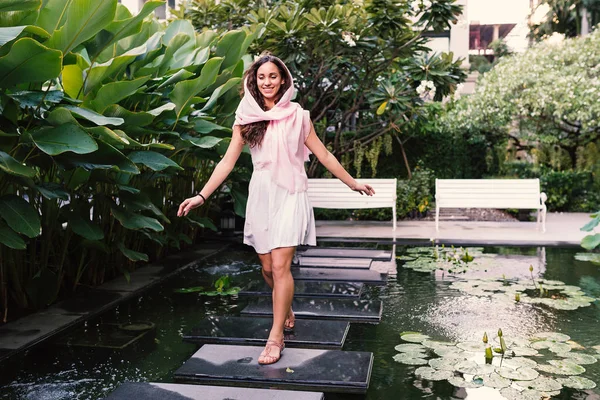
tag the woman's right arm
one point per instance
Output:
(222, 170)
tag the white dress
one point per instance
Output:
(274, 216)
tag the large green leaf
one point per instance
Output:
(240, 199)
(66, 137)
(36, 98)
(52, 191)
(221, 90)
(84, 227)
(13, 167)
(27, 62)
(20, 215)
(153, 160)
(85, 18)
(202, 222)
(10, 33)
(204, 142)
(135, 221)
(106, 157)
(185, 91)
(590, 242)
(53, 15)
(114, 92)
(203, 126)
(122, 28)
(132, 255)
(94, 117)
(139, 201)
(72, 80)
(10, 238)
(229, 48)
(19, 5)
(113, 67)
(592, 224)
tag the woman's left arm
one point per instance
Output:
(317, 147)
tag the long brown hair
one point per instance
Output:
(254, 133)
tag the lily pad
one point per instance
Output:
(511, 393)
(524, 351)
(414, 337)
(567, 367)
(496, 381)
(461, 382)
(552, 336)
(519, 374)
(471, 346)
(451, 352)
(472, 368)
(434, 344)
(577, 382)
(554, 347)
(404, 359)
(432, 374)
(578, 358)
(405, 347)
(544, 384)
(518, 362)
(444, 364)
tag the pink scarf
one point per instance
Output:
(288, 129)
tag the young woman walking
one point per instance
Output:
(278, 215)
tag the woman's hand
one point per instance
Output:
(188, 205)
(364, 189)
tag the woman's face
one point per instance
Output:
(269, 80)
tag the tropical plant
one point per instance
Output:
(592, 241)
(358, 65)
(222, 287)
(565, 17)
(108, 120)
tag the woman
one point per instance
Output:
(278, 217)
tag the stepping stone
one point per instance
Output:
(255, 331)
(170, 391)
(345, 252)
(305, 369)
(335, 309)
(335, 262)
(339, 275)
(309, 289)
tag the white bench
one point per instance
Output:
(490, 193)
(332, 193)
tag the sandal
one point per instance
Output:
(266, 358)
(290, 322)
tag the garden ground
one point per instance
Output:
(562, 229)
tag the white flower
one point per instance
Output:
(555, 39)
(426, 90)
(458, 90)
(348, 38)
(426, 3)
(325, 83)
(415, 5)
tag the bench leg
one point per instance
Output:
(437, 219)
(394, 218)
(539, 217)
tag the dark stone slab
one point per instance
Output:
(255, 331)
(107, 335)
(170, 391)
(320, 370)
(339, 275)
(335, 262)
(345, 252)
(309, 289)
(31, 329)
(335, 309)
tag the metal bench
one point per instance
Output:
(490, 193)
(332, 193)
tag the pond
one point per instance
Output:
(454, 302)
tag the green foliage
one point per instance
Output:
(108, 121)
(592, 241)
(222, 287)
(357, 65)
(564, 17)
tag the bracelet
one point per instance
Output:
(203, 198)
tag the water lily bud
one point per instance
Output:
(517, 297)
(499, 332)
(485, 338)
(530, 268)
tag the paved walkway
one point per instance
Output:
(561, 229)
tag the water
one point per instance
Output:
(412, 301)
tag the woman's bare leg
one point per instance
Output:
(283, 293)
(267, 272)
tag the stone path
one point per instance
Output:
(327, 299)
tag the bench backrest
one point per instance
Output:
(332, 193)
(484, 193)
